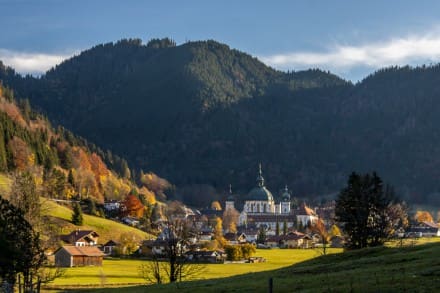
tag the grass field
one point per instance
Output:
(381, 269)
(106, 229)
(120, 272)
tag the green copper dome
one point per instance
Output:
(260, 192)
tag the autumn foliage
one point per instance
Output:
(423, 216)
(132, 206)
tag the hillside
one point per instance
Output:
(412, 269)
(107, 229)
(38, 161)
(204, 114)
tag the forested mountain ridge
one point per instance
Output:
(62, 165)
(202, 113)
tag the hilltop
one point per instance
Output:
(201, 114)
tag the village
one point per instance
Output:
(211, 233)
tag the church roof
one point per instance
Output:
(260, 192)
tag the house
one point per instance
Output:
(113, 205)
(337, 241)
(291, 240)
(251, 234)
(206, 235)
(81, 238)
(234, 238)
(208, 256)
(130, 221)
(75, 256)
(425, 229)
(109, 247)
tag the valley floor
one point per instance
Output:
(382, 269)
(120, 272)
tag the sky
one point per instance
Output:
(349, 38)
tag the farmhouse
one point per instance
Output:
(81, 238)
(291, 240)
(75, 256)
(203, 256)
(234, 238)
(109, 247)
(425, 229)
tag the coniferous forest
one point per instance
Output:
(203, 116)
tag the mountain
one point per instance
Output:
(62, 164)
(203, 114)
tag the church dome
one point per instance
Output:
(260, 192)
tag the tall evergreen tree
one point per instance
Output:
(77, 216)
(261, 237)
(362, 210)
(277, 228)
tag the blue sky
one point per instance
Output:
(349, 38)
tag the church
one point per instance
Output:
(260, 209)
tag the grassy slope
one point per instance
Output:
(118, 272)
(106, 229)
(370, 270)
(5, 184)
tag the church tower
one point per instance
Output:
(285, 201)
(229, 204)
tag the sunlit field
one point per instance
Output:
(124, 272)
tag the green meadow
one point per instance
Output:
(106, 229)
(381, 269)
(119, 272)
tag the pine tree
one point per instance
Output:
(261, 237)
(362, 209)
(92, 208)
(70, 178)
(77, 216)
(285, 227)
(277, 229)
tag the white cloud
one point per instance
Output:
(410, 50)
(33, 63)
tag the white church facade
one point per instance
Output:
(260, 209)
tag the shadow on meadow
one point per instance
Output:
(383, 269)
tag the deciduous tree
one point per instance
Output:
(230, 219)
(423, 216)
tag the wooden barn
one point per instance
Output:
(77, 256)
